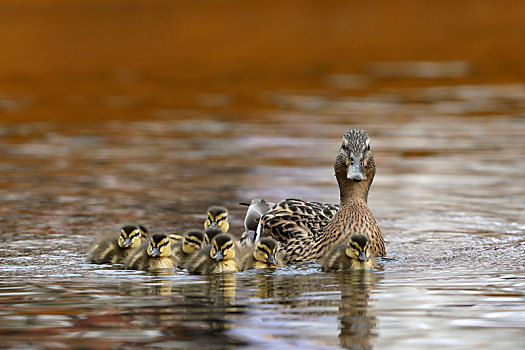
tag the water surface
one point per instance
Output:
(448, 197)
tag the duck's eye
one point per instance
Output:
(368, 148)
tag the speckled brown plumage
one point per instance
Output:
(307, 230)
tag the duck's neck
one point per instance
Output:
(351, 191)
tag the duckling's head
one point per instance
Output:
(222, 248)
(358, 248)
(193, 241)
(212, 232)
(132, 236)
(217, 217)
(355, 154)
(265, 250)
(175, 237)
(159, 246)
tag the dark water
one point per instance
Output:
(449, 196)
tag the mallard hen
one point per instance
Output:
(307, 230)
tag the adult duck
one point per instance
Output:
(308, 230)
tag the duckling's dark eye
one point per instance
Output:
(368, 148)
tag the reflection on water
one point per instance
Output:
(358, 322)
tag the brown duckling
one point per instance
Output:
(192, 242)
(154, 255)
(263, 256)
(115, 249)
(216, 257)
(355, 255)
(308, 230)
(217, 217)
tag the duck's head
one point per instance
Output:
(212, 232)
(193, 241)
(265, 251)
(222, 248)
(355, 164)
(159, 246)
(132, 236)
(358, 248)
(217, 217)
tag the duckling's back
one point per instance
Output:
(107, 251)
(248, 262)
(201, 263)
(181, 258)
(336, 259)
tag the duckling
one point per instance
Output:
(154, 255)
(175, 238)
(256, 209)
(308, 230)
(355, 255)
(192, 242)
(217, 217)
(211, 233)
(262, 256)
(216, 257)
(114, 249)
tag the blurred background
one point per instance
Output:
(131, 59)
(136, 111)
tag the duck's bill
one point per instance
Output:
(155, 252)
(272, 260)
(363, 257)
(356, 172)
(218, 256)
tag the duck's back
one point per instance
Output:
(295, 218)
(293, 221)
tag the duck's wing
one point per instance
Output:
(296, 219)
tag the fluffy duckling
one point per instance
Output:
(262, 256)
(211, 233)
(175, 238)
(154, 255)
(355, 255)
(192, 242)
(217, 217)
(115, 249)
(219, 256)
(256, 209)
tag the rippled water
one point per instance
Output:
(448, 195)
